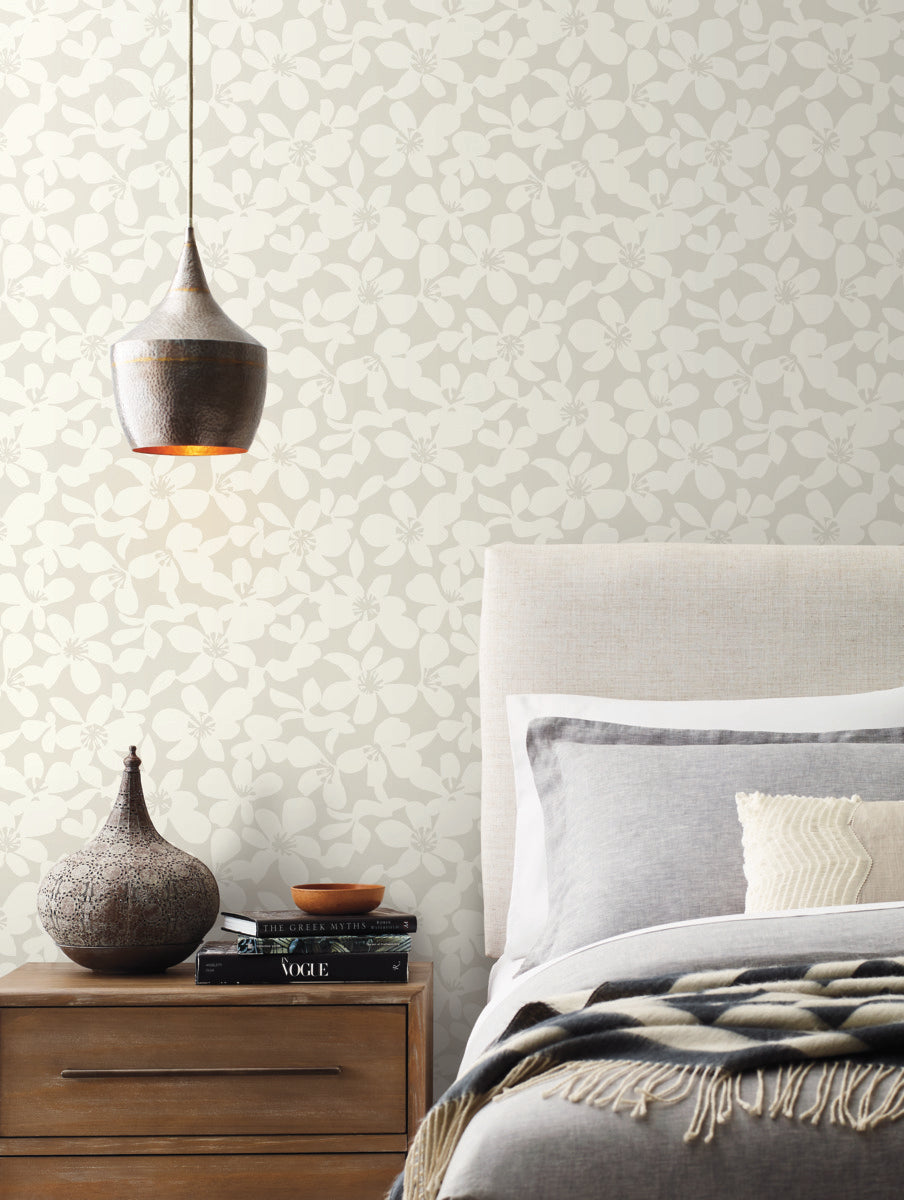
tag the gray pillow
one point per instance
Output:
(644, 835)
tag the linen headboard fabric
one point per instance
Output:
(672, 622)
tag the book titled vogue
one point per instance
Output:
(284, 924)
(223, 962)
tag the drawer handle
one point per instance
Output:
(142, 1072)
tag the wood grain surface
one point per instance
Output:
(367, 1044)
(46, 985)
(191, 1177)
(187, 1134)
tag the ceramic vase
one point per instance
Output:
(128, 901)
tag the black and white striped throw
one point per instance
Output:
(720, 1041)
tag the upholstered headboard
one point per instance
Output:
(673, 621)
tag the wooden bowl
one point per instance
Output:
(337, 899)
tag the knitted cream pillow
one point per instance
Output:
(818, 851)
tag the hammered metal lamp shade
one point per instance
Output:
(188, 380)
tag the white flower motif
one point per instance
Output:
(667, 204)
(74, 647)
(651, 17)
(424, 62)
(785, 292)
(639, 97)
(366, 220)
(575, 98)
(697, 61)
(844, 450)
(889, 254)
(827, 524)
(176, 811)
(214, 645)
(653, 404)
(318, 144)
(429, 838)
(278, 839)
(369, 682)
(369, 609)
(576, 415)
(20, 70)
(163, 485)
(319, 534)
(21, 518)
(577, 487)
(887, 161)
(23, 435)
(251, 208)
(436, 674)
(860, 210)
(849, 262)
(488, 256)
(826, 141)
(369, 293)
(184, 557)
(616, 334)
(277, 60)
(87, 733)
(71, 256)
(433, 263)
(519, 343)
(729, 151)
(783, 219)
(153, 106)
(444, 207)
(627, 258)
(641, 457)
(839, 61)
(24, 210)
(407, 530)
(742, 520)
(425, 449)
(21, 673)
(18, 285)
(410, 141)
(574, 26)
(18, 127)
(249, 593)
(201, 727)
(442, 600)
(235, 796)
(697, 451)
(286, 453)
(25, 599)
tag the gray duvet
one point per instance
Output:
(528, 1147)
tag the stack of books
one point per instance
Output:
(293, 947)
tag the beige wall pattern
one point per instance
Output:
(526, 270)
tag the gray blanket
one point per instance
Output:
(709, 1040)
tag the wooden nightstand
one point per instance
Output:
(151, 1086)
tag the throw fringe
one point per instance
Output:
(439, 1133)
(856, 1096)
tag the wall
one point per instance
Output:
(531, 271)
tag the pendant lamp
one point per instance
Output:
(188, 380)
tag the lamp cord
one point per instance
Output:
(191, 107)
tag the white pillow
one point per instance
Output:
(529, 903)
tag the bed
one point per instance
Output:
(679, 625)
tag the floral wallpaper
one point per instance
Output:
(532, 270)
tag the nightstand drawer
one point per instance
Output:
(190, 1177)
(203, 1070)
